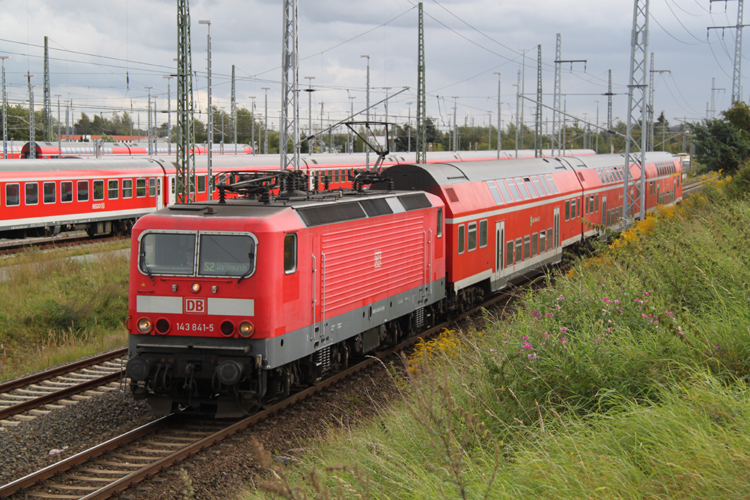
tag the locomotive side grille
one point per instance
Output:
(418, 318)
(322, 359)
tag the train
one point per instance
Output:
(74, 149)
(235, 302)
(107, 195)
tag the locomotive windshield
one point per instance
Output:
(226, 255)
(163, 253)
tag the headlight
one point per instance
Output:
(144, 325)
(246, 329)
(195, 287)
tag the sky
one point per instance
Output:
(105, 53)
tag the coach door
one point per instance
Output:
(159, 198)
(557, 237)
(499, 255)
(318, 290)
(171, 189)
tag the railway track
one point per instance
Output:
(691, 187)
(10, 247)
(28, 397)
(119, 463)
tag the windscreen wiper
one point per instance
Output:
(249, 268)
(148, 271)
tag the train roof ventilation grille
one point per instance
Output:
(378, 206)
(330, 214)
(451, 195)
(416, 201)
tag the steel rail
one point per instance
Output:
(61, 370)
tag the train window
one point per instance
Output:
(98, 190)
(495, 193)
(164, 253)
(83, 190)
(472, 236)
(596, 202)
(567, 209)
(577, 203)
(440, 223)
(12, 195)
(127, 188)
(585, 207)
(551, 183)
(113, 189)
(201, 183)
(599, 173)
(66, 191)
(542, 241)
(519, 250)
(336, 175)
(522, 188)
(482, 233)
(530, 187)
(50, 196)
(542, 190)
(32, 193)
(152, 187)
(172, 183)
(461, 238)
(140, 188)
(226, 255)
(550, 238)
(526, 246)
(290, 253)
(504, 191)
(509, 254)
(535, 244)
(513, 190)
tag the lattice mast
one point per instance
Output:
(538, 121)
(609, 95)
(289, 129)
(185, 181)
(421, 93)
(737, 73)
(556, 142)
(47, 96)
(234, 117)
(637, 89)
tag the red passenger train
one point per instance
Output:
(41, 197)
(233, 302)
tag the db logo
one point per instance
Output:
(195, 306)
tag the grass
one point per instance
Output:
(625, 379)
(54, 309)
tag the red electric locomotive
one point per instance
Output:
(234, 301)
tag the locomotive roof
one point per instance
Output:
(339, 206)
(421, 175)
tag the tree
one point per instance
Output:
(720, 145)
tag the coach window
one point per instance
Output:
(83, 190)
(504, 191)
(98, 190)
(50, 196)
(539, 187)
(530, 187)
(513, 190)
(461, 238)
(542, 241)
(336, 175)
(596, 202)
(509, 253)
(519, 249)
(113, 189)
(472, 236)
(12, 195)
(482, 233)
(526, 247)
(551, 183)
(522, 188)
(440, 223)
(32, 193)
(573, 208)
(127, 188)
(535, 244)
(140, 188)
(290, 253)
(567, 209)
(201, 183)
(152, 187)
(66, 191)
